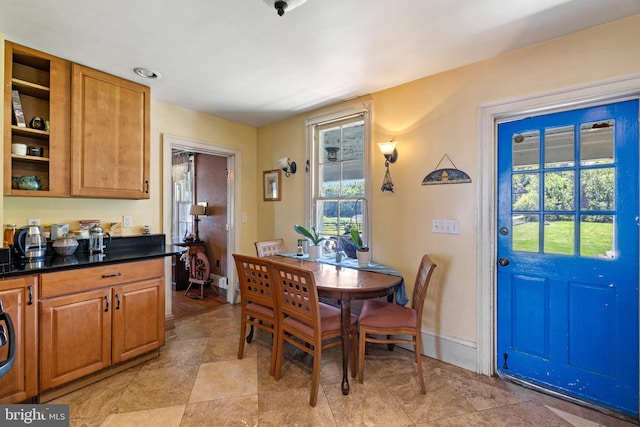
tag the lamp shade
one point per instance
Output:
(387, 147)
(282, 163)
(198, 210)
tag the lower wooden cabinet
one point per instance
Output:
(96, 317)
(18, 297)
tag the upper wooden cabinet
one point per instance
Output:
(43, 85)
(109, 136)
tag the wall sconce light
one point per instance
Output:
(287, 166)
(390, 153)
(197, 210)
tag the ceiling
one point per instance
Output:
(239, 60)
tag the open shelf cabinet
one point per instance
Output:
(43, 83)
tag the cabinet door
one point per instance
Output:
(18, 298)
(109, 136)
(138, 318)
(75, 336)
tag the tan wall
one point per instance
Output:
(432, 117)
(176, 121)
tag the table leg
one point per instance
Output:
(345, 305)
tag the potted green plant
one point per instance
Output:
(362, 253)
(315, 250)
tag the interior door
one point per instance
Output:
(567, 290)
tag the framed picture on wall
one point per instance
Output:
(271, 183)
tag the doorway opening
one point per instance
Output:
(231, 157)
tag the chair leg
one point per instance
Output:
(279, 354)
(418, 350)
(274, 354)
(243, 330)
(354, 353)
(362, 342)
(315, 376)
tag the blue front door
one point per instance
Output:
(567, 283)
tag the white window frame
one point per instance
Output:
(363, 109)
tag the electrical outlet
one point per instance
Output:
(127, 221)
(33, 221)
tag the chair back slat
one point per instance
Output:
(254, 275)
(296, 293)
(269, 247)
(423, 278)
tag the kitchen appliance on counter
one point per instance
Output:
(96, 240)
(30, 243)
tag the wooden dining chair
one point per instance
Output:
(387, 320)
(306, 323)
(257, 301)
(269, 247)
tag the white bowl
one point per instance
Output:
(19, 149)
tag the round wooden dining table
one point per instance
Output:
(345, 284)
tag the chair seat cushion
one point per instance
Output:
(252, 307)
(382, 314)
(330, 320)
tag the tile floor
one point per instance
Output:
(198, 381)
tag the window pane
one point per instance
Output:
(596, 235)
(353, 141)
(330, 180)
(559, 147)
(526, 151)
(596, 143)
(558, 191)
(597, 189)
(524, 190)
(559, 234)
(526, 233)
(353, 171)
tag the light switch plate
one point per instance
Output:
(448, 226)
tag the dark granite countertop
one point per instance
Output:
(120, 249)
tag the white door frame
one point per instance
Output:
(489, 115)
(234, 196)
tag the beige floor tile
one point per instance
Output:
(157, 388)
(237, 411)
(98, 399)
(221, 380)
(161, 417)
(523, 414)
(291, 408)
(179, 353)
(370, 405)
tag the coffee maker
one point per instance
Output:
(30, 243)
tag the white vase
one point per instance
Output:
(363, 258)
(315, 251)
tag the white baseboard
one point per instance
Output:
(450, 350)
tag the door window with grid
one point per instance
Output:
(339, 184)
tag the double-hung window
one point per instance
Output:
(339, 171)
